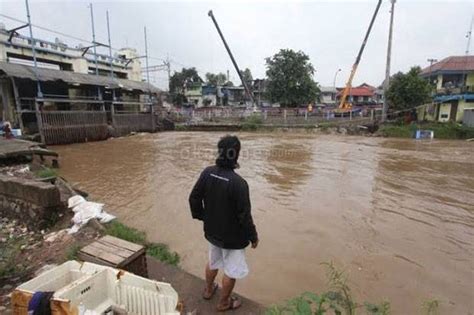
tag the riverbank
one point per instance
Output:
(441, 130)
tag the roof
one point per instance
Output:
(451, 64)
(358, 91)
(328, 89)
(28, 72)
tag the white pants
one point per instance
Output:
(231, 260)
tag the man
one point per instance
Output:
(220, 198)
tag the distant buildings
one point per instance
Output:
(453, 78)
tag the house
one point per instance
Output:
(328, 95)
(453, 78)
(232, 95)
(363, 95)
(193, 94)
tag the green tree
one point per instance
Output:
(179, 81)
(407, 90)
(247, 75)
(216, 79)
(290, 78)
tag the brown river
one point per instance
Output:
(396, 214)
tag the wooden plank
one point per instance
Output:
(113, 249)
(122, 243)
(101, 254)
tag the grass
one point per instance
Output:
(448, 130)
(46, 173)
(156, 250)
(72, 251)
(337, 300)
(252, 123)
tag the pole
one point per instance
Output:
(247, 90)
(33, 51)
(99, 94)
(110, 55)
(335, 76)
(168, 68)
(146, 62)
(469, 35)
(387, 68)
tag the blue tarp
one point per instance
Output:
(454, 97)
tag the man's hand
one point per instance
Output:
(255, 244)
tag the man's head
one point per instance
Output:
(228, 149)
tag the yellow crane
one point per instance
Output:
(344, 105)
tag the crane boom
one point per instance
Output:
(247, 90)
(343, 104)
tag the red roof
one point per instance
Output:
(358, 91)
(453, 63)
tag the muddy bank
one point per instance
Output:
(396, 213)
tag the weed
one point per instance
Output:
(431, 307)
(162, 253)
(46, 173)
(252, 123)
(120, 230)
(159, 251)
(72, 251)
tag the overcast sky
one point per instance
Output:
(330, 32)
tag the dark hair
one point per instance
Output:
(228, 149)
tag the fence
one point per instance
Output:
(61, 127)
(125, 123)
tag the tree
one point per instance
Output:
(247, 76)
(408, 90)
(290, 78)
(179, 81)
(216, 79)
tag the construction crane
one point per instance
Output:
(246, 87)
(344, 105)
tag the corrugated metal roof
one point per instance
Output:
(451, 64)
(27, 72)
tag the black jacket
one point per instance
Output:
(221, 199)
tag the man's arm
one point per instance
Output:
(244, 213)
(196, 198)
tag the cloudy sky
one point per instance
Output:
(330, 32)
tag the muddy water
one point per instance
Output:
(398, 215)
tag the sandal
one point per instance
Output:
(234, 303)
(214, 289)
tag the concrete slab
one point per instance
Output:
(189, 288)
(12, 148)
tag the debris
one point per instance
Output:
(85, 211)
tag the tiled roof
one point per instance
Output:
(453, 63)
(358, 91)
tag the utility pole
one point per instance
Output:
(468, 36)
(110, 56)
(146, 62)
(99, 94)
(168, 69)
(431, 61)
(387, 68)
(33, 51)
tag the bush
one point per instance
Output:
(252, 123)
(46, 173)
(448, 130)
(157, 250)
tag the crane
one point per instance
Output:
(344, 106)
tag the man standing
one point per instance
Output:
(220, 198)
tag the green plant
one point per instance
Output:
(72, 251)
(157, 250)
(46, 173)
(162, 253)
(120, 230)
(431, 307)
(252, 123)
(179, 127)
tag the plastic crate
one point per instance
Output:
(97, 288)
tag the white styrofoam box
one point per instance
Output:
(97, 288)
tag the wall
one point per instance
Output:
(35, 203)
(444, 109)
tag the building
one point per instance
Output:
(68, 80)
(193, 94)
(328, 95)
(364, 95)
(453, 78)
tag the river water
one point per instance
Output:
(396, 214)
